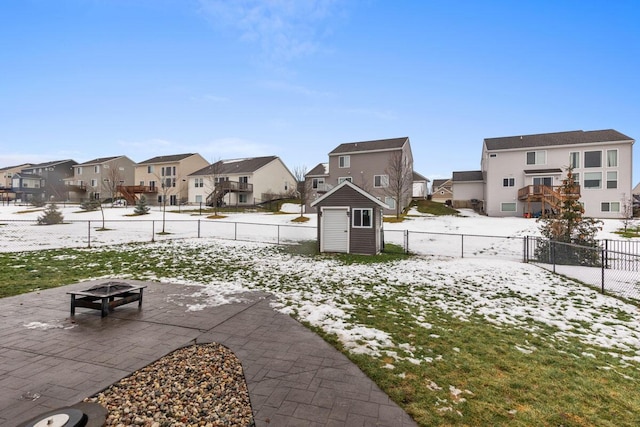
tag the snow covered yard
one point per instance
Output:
(454, 340)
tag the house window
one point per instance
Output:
(344, 161)
(199, 198)
(612, 179)
(142, 183)
(610, 207)
(536, 157)
(242, 198)
(380, 181)
(391, 202)
(508, 182)
(612, 158)
(508, 207)
(574, 159)
(593, 180)
(317, 183)
(344, 178)
(79, 171)
(94, 182)
(362, 218)
(543, 180)
(149, 169)
(493, 155)
(96, 169)
(199, 182)
(576, 178)
(152, 184)
(592, 159)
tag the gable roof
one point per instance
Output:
(418, 177)
(557, 138)
(320, 169)
(440, 182)
(232, 166)
(52, 163)
(375, 145)
(353, 186)
(167, 159)
(467, 176)
(22, 166)
(99, 160)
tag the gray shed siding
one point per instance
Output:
(361, 240)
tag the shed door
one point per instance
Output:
(334, 230)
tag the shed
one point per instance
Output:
(349, 220)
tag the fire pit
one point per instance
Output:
(106, 297)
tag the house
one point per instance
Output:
(99, 179)
(43, 182)
(467, 188)
(238, 182)
(521, 175)
(6, 183)
(349, 220)
(441, 190)
(420, 186)
(383, 168)
(163, 179)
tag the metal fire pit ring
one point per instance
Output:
(67, 417)
(106, 297)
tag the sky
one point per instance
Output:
(83, 79)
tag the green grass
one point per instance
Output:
(630, 232)
(433, 208)
(448, 371)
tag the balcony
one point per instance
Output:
(232, 186)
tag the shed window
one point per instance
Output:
(362, 218)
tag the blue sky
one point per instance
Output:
(83, 79)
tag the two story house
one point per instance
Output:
(521, 174)
(163, 179)
(43, 182)
(241, 182)
(6, 183)
(383, 168)
(99, 179)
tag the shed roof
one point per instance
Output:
(418, 177)
(353, 186)
(557, 138)
(375, 145)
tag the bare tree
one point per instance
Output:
(303, 188)
(400, 176)
(626, 211)
(113, 178)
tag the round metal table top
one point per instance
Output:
(67, 417)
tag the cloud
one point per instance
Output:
(283, 29)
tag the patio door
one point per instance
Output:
(334, 230)
(543, 180)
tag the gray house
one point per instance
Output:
(349, 220)
(44, 181)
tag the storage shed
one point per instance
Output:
(349, 220)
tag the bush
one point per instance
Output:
(90, 205)
(51, 215)
(141, 206)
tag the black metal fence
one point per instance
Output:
(611, 271)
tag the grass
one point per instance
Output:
(433, 208)
(630, 232)
(443, 370)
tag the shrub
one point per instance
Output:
(141, 206)
(51, 215)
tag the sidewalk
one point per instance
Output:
(48, 360)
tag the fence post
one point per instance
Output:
(602, 270)
(235, 231)
(153, 231)
(278, 238)
(199, 226)
(553, 254)
(525, 249)
(88, 234)
(462, 245)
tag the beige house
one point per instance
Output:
(100, 179)
(521, 175)
(163, 179)
(241, 182)
(441, 190)
(378, 167)
(6, 186)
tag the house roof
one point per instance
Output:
(375, 145)
(320, 169)
(23, 166)
(166, 159)
(52, 163)
(467, 176)
(418, 177)
(98, 161)
(440, 182)
(355, 187)
(234, 166)
(558, 138)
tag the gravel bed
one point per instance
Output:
(199, 385)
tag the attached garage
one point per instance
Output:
(349, 221)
